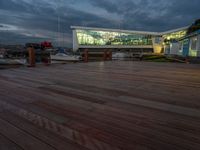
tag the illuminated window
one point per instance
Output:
(158, 40)
(193, 43)
(103, 38)
(174, 36)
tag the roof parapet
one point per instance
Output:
(130, 31)
(116, 30)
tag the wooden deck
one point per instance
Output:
(101, 106)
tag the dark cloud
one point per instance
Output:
(153, 15)
(16, 38)
(2, 26)
(36, 20)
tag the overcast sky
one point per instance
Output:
(24, 21)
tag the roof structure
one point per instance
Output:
(129, 31)
(190, 35)
(174, 30)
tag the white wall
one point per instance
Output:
(195, 50)
(75, 41)
(198, 46)
(174, 48)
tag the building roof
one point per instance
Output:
(116, 30)
(190, 35)
(174, 30)
(129, 31)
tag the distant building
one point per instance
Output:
(3, 52)
(190, 45)
(33, 45)
(99, 39)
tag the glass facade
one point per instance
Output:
(193, 43)
(174, 36)
(105, 38)
(171, 41)
(193, 47)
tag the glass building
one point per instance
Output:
(190, 45)
(101, 39)
(173, 36)
(106, 38)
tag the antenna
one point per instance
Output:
(58, 25)
(58, 29)
(120, 26)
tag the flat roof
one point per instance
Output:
(191, 35)
(115, 30)
(174, 30)
(130, 31)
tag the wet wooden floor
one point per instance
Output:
(101, 106)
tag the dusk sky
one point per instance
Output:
(24, 21)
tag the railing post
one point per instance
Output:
(109, 55)
(47, 61)
(105, 55)
(31, 53)
(86, 57)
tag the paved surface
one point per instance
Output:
(101, 106)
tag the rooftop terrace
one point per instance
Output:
(101, 106)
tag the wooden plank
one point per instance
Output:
(75, 102)
(6, 144)
(59, 129)
(124, 105)
(24, 140)
(48, 137)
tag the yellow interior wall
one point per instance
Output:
(157, 49)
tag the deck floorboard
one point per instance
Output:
(101, 106)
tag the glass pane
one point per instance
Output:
(194, 43)
(103, 38)
(174, 36)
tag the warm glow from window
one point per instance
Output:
(101, 38)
